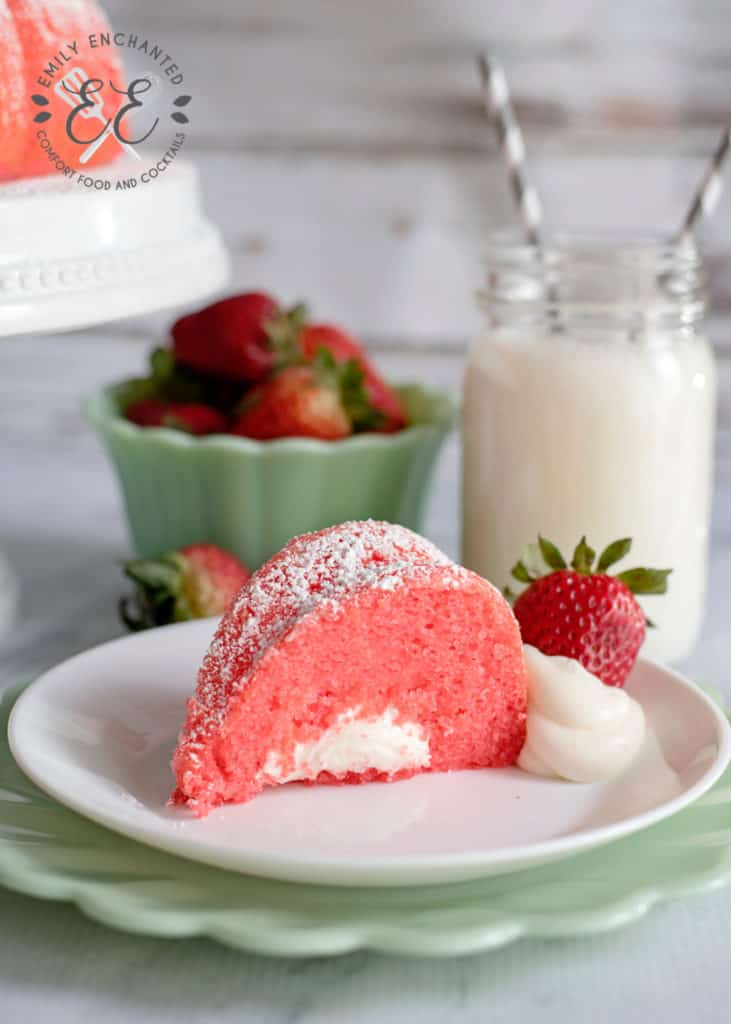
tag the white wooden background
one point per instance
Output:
(344, 151)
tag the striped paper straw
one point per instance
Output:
(709, 191)
(500, 111)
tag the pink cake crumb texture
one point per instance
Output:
(363, 615)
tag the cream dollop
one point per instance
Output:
(577, 728)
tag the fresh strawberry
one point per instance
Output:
(197, 581)
(343, 347)
(338, 342)
(384, 399)
(147, 412)
(195, 418)
(237, 337)
(296, 402)
(192, 417)
(169, 381)
(581, 612)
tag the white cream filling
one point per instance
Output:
(577, 728)
(355, 744)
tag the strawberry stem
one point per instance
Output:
(583, 558)
(282, 331)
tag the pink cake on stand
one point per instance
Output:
(356, 654)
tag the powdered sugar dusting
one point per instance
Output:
(312, 571)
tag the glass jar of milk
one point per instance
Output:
(589, 408)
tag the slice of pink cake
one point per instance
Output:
(357, 653)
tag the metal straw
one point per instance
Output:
(709, 191)
(500, 112)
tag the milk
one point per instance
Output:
(609, 437)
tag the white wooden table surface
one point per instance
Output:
(61, 524)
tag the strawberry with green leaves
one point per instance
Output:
(242, 337)
(581, 611)
(247, 359)
(175, 396)
(322, 399)
(193, 583)
(344, 348)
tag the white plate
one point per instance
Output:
(97, 733)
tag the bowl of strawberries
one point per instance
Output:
(255, 424)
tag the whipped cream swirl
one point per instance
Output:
(577, 728)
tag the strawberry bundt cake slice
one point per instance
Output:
(358, 653)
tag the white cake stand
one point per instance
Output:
(71, 257)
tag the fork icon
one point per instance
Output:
(69, 89)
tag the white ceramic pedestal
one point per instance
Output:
(70, 257)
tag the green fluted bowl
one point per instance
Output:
(251, 497)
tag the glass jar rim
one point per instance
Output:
(602, 245)
(642, 278)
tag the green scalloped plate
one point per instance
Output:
(50, 852)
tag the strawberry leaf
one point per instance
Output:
(520, 573)
(348, 377)
(532, 559)
(162, 364)
(645, 581)
(154, 573)
(614, 553)
(174, 382)
(158, 597)
(145, 610)
(282, 331)
(355, 398)
(324, 365)
(509, 594)
(135, 390)
(298, 314)
(135, 613)
(551, 555)
(583, 557)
